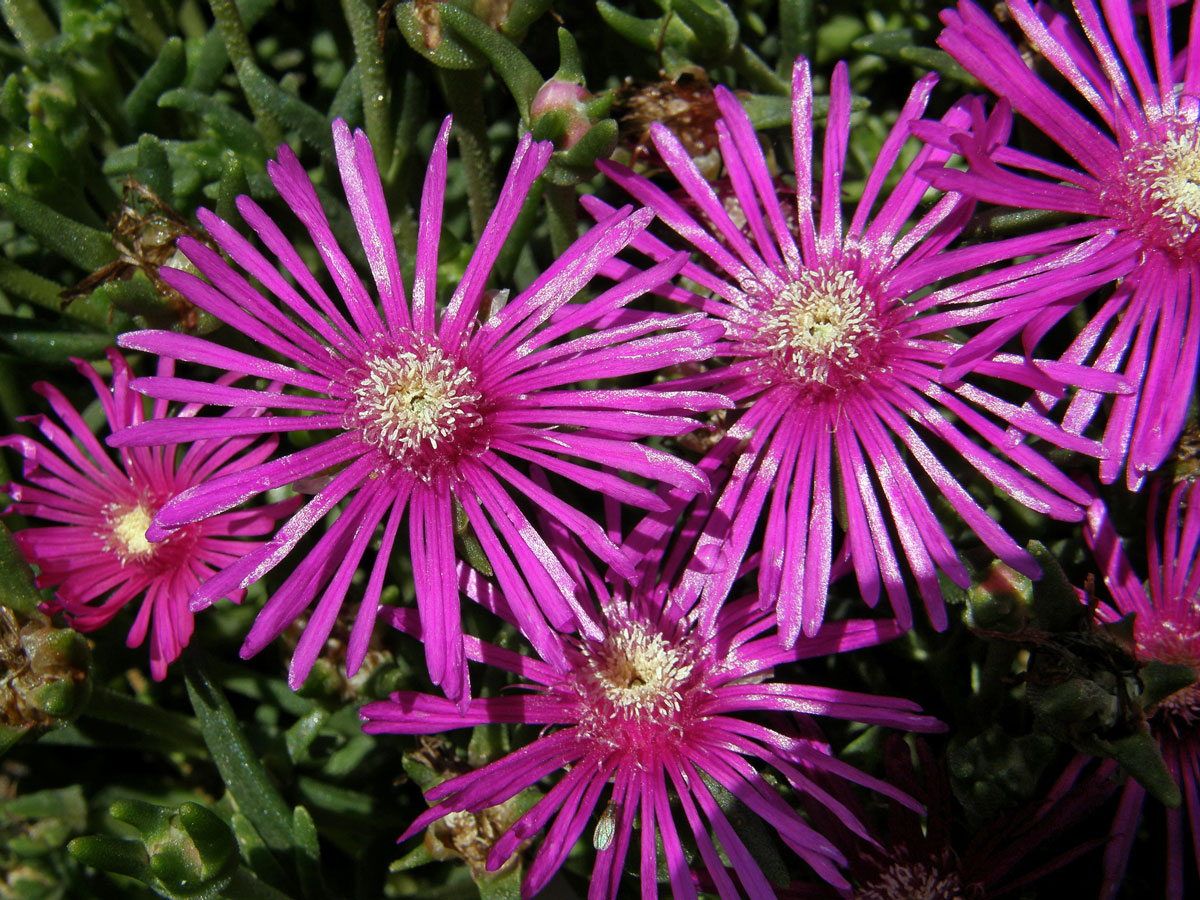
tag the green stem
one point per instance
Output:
(28, 22)
(372, 74)
(751, 67)
(796, 33)
(464, 93)
(237, 46)
(141, 20)
(414, 107)
(171, 727)
(12, 403)
(563, 217)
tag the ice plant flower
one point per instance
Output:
(426, 414)
(1136, 178)
(1167, 629)
(662, 704)
(836, 357)
(921, 856)
(99, 558)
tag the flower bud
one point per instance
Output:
(43, 673)
(559, 113)
(185, 852)
(195, 853)
(1000, 600)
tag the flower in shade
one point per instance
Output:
(664, 704)
(1167, 630)
(99, 558)
(1135, 178)
(836, 350)
(431, 414)
(925, 855)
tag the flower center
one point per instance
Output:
(1172, 643)
(818, 327)
(912, 881)
(127, 532)
(1161, 196)
(636, 678)
(414, 406)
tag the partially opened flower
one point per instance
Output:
(99, 558)
(650, 721)
(426, 414)
(836, 348)
(1138, 165)
(1167, 630)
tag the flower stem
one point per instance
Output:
(751, 67)
(28, 22)
(372, 75)
(563, 218)
(464, 93)
(237, 46)
(796, 33)
(173, 729)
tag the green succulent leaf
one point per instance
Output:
(519, 74)
(242, 769)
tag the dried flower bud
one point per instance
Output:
(43, 672)
(685, 104)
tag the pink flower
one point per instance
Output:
(99, 557)
(1138, 164)
(661, 704)
(431, 415)
(922, 854)
(837, 346)
(1167, 629)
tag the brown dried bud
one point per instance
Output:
(43, 672)
(686, 105)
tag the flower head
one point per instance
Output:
(837, 357)
(436, 416)
(660, 704)
(1167, 630)
(99, 557)
(1137, 182)
(921, 855)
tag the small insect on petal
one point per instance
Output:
(606, 828)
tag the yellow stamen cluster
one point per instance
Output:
(405, 402)
(639, 674)
(1173, 176)
(127, 532)
(817, 325)
(913, 881)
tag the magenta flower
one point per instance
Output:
(1167, 629)
(99, 557)
(661, 704)
(838, 357)
(1136, 181)
(424, 415)
(921, 855)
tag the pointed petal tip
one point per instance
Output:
(299, 670)
(156, 533)
(199, 604)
